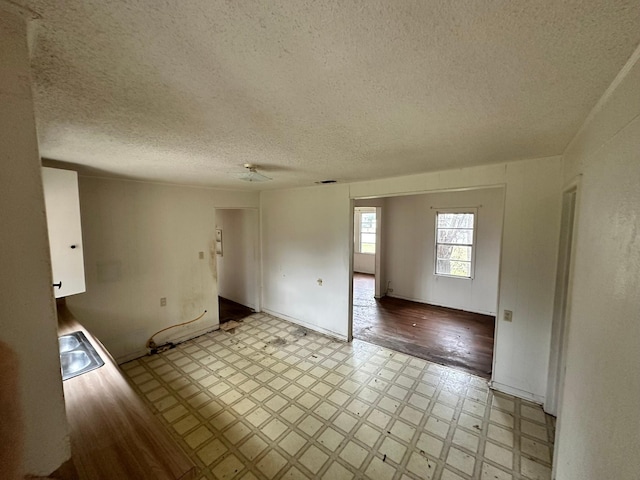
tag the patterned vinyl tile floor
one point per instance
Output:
(271, 400)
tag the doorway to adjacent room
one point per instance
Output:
(236, 246)
(433, 288)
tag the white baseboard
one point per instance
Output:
(192, 334)
(131, 356)
(421, 300)
(516, 392)
(304, 324)
(175, 340)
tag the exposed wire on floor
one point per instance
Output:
(151, 345)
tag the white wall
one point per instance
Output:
(238, 265)
(28, 323)
(409, 251)
(306, 236)
(364, 263)
(142, 242)
(599, 421)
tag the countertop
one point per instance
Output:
(113, 434)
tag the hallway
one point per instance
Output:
(454, 338)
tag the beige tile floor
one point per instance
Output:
(271, 400)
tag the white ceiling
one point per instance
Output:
(186, 92)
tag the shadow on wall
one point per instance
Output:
(11, 428)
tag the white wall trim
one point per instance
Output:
(516, 392)
(381, 194)
(304, 324)
(417, 300)
(175, 340)
(131, 356)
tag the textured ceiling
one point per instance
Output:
(186, 92)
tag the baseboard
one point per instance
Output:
(177, 339)
(304, 324)
(193, 334)
(420, 300)
(131, 356)
(516, 392)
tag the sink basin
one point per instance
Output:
(77, 355)
(74, 361)
(67, 343)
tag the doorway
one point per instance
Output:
(367, 243)
(447, 317)
(237, 247)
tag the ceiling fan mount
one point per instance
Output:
(252, 174)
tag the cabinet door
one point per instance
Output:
(65, 233)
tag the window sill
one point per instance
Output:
(444, 275)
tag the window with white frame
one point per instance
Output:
(455, 235)
(365, 230)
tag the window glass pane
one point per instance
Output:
(443, 266)
(368, 248)
(368, 238)
(453, 267)
(367, 232)
(450, 235)
(454, 252)
(455, 220)
(368, 223)
(461, 269)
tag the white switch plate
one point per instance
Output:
(508, 316)
(163, 302)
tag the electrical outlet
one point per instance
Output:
(163, 302)
(201, 255)
(508, 316)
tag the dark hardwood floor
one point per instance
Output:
(230, 310)
(441, 335)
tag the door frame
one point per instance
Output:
(562, 299)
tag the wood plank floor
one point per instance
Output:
(446, 336)
(230, 310)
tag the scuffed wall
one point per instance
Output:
(142, 243)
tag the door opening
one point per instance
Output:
(404, 302)
(236, 246)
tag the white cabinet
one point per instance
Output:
(62, 201)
